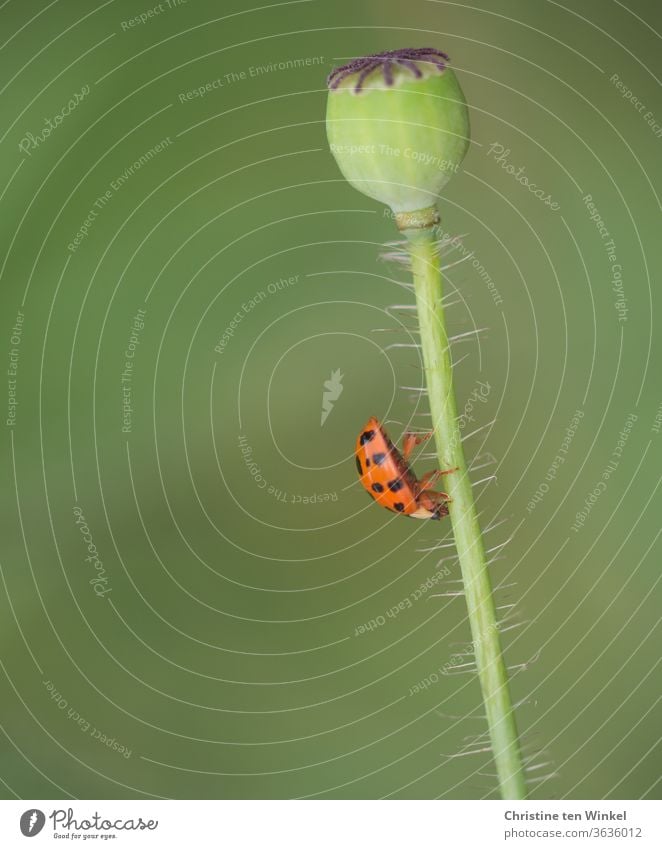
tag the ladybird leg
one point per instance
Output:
(410, 440)
(425, 501)
(438, 497)
(430, 478)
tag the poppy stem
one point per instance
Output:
(492, 672)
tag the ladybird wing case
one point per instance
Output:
(383, 471)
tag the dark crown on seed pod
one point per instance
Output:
(407, 57)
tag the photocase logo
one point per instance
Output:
(32, 822)
(332, 391)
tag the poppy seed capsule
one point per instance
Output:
(398, 127)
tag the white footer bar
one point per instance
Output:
(337, 824)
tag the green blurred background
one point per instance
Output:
(238, 644)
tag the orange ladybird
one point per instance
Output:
(386, 476)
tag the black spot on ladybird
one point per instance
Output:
(358, 466)
(399, 506)
(367, 462)
(395, 485)
(366, 436)
(377, 487)
(378, 458)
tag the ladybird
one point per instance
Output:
(387, 477)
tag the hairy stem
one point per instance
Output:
(492, 671)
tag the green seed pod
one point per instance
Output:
(398, 127)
